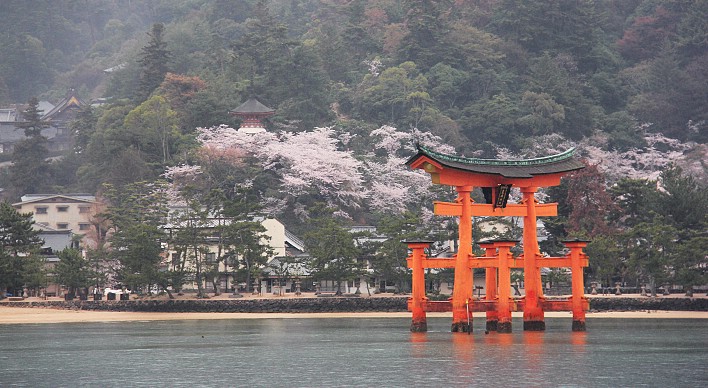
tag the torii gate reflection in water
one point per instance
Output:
(496, 177)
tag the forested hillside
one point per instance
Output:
(475, 73)
(625, 81)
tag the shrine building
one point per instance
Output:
(252, 112)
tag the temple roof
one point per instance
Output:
(71, 100)
(252, 106)
(524, 168)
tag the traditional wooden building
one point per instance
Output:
(58, 134)
(252, 112)
(60, 117)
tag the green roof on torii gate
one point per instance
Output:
(523, 168)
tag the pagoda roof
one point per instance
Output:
(252, 106)
(523, 168)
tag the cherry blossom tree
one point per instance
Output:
(394, 187)
(317, 166)
(648, 163)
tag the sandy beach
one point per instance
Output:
(15, 315)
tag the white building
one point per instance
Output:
(72, 212)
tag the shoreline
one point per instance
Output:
(15, 315)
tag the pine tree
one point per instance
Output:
(29, 172)
(72, 270)
(137, 211)
(154, 62)
(332, 249)
(19, 243)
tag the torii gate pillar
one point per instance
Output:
(462, 291)
(490, 283)
(418, 298)
(533, 312)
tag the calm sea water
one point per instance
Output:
(353, 352)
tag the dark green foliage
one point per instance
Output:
(331, 248)
(84, 127)
(661, 235)
(585, 60)
(19, 246)
(32, 122)
(72, 270)
(282, 72)
(623, 132)
(29, 172)
(390, 258)
(426, 41)
(137, 211)
(493, 120)
(637, 199)
(684, 200)
(154, 61)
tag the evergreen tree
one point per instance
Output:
(154, 61)
(137, 211)
(72, 270)
(19, 245)
(683, 201)
(332, 250)
(390, 258)
(190, 240)
(83, 127)
(650, 248)
(426, 42)
(29, 172)
(684, 204)
(32, 122)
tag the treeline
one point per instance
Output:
(494, 71)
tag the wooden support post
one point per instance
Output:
(533, 312)
(578, 285)
(490, 281)
(418, 298)
(462, 291)
(504, 303)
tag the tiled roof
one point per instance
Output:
(9, 133)
(70, 100)
(27, 198)
(524, 168)
(252, 106)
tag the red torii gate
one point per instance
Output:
(497, 177)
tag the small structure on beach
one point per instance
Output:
(496, 178)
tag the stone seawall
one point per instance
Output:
(332, 304)
(645, 303)
(294, 305)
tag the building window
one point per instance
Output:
(84, 209)
(210, 258)
(62, 209)
(84, 227)
(40, 210)
(62, 225)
